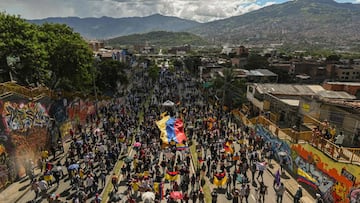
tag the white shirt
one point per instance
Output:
(339, 139)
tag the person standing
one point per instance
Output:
(114, 181)
(279, 190)
(263, 191)
(214, 196)
(247, 193)
(298, 195)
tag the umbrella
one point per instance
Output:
(137, 144)
(149, 196)
(282, 153)
(176, 195)
(168, 103)
(97, 130)
(80, 142)
(73, 166)
(128, 159)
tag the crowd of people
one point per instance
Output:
(229, 155)
(95, 147)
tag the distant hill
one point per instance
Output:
(106, 27)
(159, 38)
(298, 21)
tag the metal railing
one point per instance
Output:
(338, 153)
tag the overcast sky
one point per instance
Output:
(199, 10)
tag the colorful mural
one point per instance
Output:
(333, 179)
(79, 110)
(23, 132)
(23, 116)
(277, 144)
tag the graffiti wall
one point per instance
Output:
(23, 132)
(23, 116)
(280, 148)
(79, 110)
(333, 179)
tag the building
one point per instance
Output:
(282, 102)
(347, 73)
(341, 112)
(180, 49)
(257, 75)
(242, 51)
(352, 88)
(95, 45)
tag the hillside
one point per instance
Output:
(299, 21)
(106, 27)
(159, 38)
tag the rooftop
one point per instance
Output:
(288, 89)
(328, 94)
(302, 90)
(344, 83)
(256, 72)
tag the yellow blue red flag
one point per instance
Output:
(171, 129)
(220, 179)
(172, 175)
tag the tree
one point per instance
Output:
(231, 90)
(192, 63)
(109, 74)
(50, 54)
(154, 72)
(70, 58)
(333, 57)
(19, 39)
(256, 61)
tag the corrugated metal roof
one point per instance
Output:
(291, 102)
(335, 94)
(288, 89)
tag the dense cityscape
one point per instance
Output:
(255, 106)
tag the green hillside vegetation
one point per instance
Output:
(159, 38)
(300, 21)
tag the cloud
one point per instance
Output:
(199, 10)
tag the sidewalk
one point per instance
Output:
(290, 183)
(14, 192)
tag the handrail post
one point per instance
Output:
(352, 156)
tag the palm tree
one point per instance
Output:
(230, 89)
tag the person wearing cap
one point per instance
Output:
(298, 194)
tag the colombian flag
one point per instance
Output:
(171, 130)
(228, 148)
(171, 175)
(306, 178)
(158, 188)
(220, 179)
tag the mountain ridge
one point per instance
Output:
(108, 27)
(323, 22)
(300, 21)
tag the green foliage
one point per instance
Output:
(154, 72)
(231, 90)
(109, 73)
(20, 39)
(192, 63)
(50, 54)
(256, 61)
(333, 57)
(159, 38)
